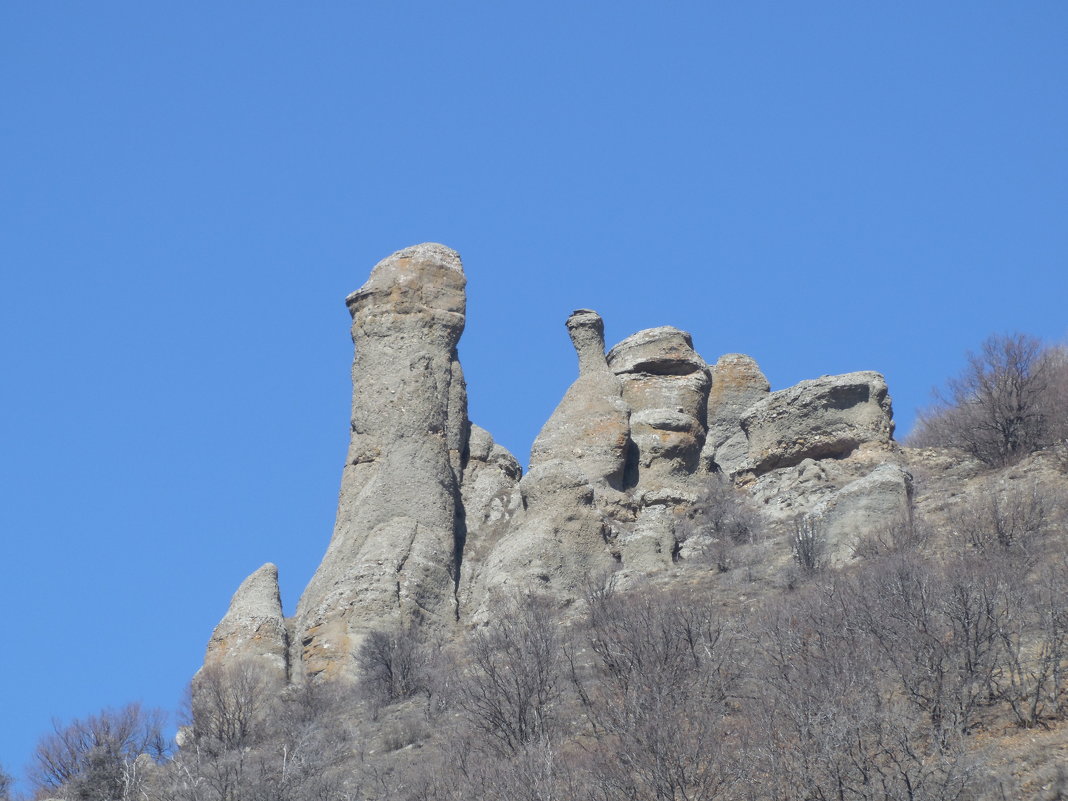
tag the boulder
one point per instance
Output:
(876, 504)
(821, 418)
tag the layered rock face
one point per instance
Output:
(436, 522)
(820, 418)
(665, 384)
(393, 553)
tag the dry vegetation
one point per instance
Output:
(933, 667)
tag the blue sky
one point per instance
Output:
(188, 192)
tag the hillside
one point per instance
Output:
(698, 589)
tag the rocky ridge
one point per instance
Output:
(436, 522)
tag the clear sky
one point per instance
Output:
(189, 190)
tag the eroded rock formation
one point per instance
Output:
(254, 627)
(393, 555)
(436, 521)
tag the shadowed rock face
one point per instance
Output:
(253, 629)
(392, 558)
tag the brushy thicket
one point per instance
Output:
(1008, 402)
(886, 681)
(868, 684)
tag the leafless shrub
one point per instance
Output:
(393, 665)
(664, 668)
(250, 738)
(1006, 517)
(894, 537)
(92, 758)
(1009, 401)
(512, 686)
(1034, 676)
(807, 543)
(827, 723)
(7, 781)
(228, 705)
(719, 520)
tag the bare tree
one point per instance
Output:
(7, 782)
(92, 758)
(1005, 517)
(511, 689)
(656, 696)
(1004, 403)
(392, 665)
(807, 543)
(720, 519)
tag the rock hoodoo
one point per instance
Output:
(393, 556)
(590, 428)
(254, 628)
(436, 521)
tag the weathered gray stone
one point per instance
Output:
(590, 427)
(392, 558)
(491, 501)
(556, 544)
(571, 491)
(737, 384)
(253, 628)
(826, 417)
(665, 383)
(873, 505)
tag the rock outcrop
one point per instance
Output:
(393, 555)
(436, 522)
(591, 426)
(737, 385)
(665, 385)
(254, 629)
(820, 418)
(572, 490)
(875, 505)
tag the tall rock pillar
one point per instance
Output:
(392, 559)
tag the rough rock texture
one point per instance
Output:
(821, 418)
(590, 427)
(392, 558)
(737, 384)
(872, 505)
(559, 542)
(491, 500)
(436, 522)
(253, 628)
(572, 490)
(665, 384)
